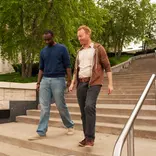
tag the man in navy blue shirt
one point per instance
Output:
(54, 65)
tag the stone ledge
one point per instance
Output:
(12, 85)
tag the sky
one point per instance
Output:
(153, 1)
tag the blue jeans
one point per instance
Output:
(52, 88)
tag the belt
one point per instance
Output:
(85, 79)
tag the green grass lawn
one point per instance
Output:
(16, 77)
(114, 61)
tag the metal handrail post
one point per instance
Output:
(130, 142)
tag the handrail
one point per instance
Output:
(128, 129)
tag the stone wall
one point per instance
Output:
(16, 92)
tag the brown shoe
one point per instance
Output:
(89, 143)
(82, 143)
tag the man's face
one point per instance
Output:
(48, 38)
(83, 37)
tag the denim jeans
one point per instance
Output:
(87, 97)
(52, 88)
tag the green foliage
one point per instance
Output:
(16, 77)
(114, 61)
(113, 23)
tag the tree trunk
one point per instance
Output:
(30, 70)
(23, 65)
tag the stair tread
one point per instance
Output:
(114, 106)
(114, 99)
(115, 94)
(103, 115)
(113, 125)
(14, 151)
(130, 99)
(56, 141)
(68, 145)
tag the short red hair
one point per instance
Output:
(86, 29)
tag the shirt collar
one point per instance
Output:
(90, 46)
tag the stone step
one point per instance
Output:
(133, 73)
(146, 110)
(123, 82)
(123, 78)
(12, 150)
(116, 75)
(120, 119)
(116, 96)
(145, 77)
(140, 131)
(142, 78)
(120, 91)
(127, 76)
(127, 87)
(115, 101)
(56, 143)
(130, 81)
(59, 144)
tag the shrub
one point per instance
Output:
(18, 68)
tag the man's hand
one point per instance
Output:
(68, 83)
(38, 86)
(71, 87)
(110, 89)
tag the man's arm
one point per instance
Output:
(110, 82)
(72, 84)
(74, 79)
(104, 59)
(106, 65)
(69, 76)
(40, 74)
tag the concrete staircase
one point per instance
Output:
(112, 113)
(112, 110)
